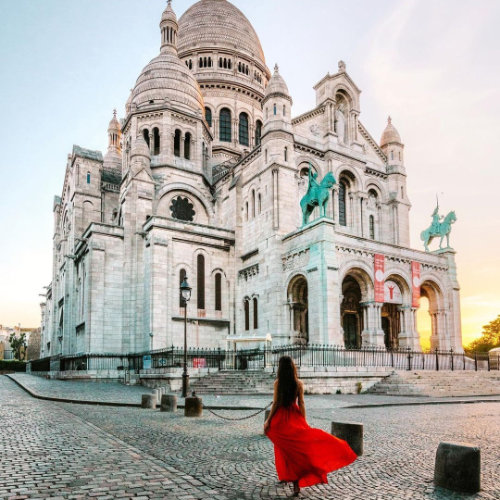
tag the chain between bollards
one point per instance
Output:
(240, 418)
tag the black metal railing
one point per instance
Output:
(305, 356)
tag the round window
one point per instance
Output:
(182, 209)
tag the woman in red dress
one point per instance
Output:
(303, 455)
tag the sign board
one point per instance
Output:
(146, 362)
(199, 363)
(379, 269)
(415, 284)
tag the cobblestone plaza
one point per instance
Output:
(61, 450)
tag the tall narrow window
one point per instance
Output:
(177, 143)
(253, 203)
(156, 135)
(284, 110)
(342, 204)
(208, 116)
(225, 125)
(255, 313)
(258, 132)
(392, 155)
(372, 227)
(182, 275)
(200, 281)
(247, 314)
(88, 177)
(246, 205)
(275, 109)
(145, 134)
(187, 146)
(260, 203)
(218, 292)
(286, 154)
(243, 129)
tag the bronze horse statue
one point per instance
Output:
(439, 230)
(317, 195)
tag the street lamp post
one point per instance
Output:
(186, 295)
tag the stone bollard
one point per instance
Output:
(458, 467)
(352, 432)
(148, 401)
(193, 406)
(157, 393)
(168, 403)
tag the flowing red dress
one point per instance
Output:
(303, 453)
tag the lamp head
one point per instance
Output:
(185, 290)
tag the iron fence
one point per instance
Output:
(305, 356)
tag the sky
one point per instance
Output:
(433, 65)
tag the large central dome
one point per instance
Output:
(218, 24)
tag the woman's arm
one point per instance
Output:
(274, 407)
(302, 406)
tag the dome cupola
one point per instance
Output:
(390, 134)
(276, 87)
(391, 145)
(113, 157)
(166, 79)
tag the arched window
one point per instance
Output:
(253, 203)
(246, 205)
(372, 227)
(200, 63)
(182, 275)
(265, 154)
(187, 146)
(218, 292)
(275, 109)
(208, 116)
(225, 125)
(260, 203)
(284, 110)
(244, 129)
(286, 154)
(392, 155)
(402, 192)
(342, 203)
(247, 314)
(88, 177)
(200, 281)
(258, 132)
(145, 134)
(177, 143)
(255, 313)
(156, 136)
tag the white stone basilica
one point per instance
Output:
(203, 177)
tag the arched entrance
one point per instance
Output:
(351, 314)
(439, 338)
(391, 322)
(298, 304)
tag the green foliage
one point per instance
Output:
(18, 345)
(489, 339)
(12, 366)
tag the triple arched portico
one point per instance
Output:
(365, 322)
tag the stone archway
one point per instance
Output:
(351, 315)
(297, 294)
(439, 338)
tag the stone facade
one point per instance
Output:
(203, 177)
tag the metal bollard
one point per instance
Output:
(352, 432)
(193, 406)
(458, 467)
(168, 403)
(148, 401)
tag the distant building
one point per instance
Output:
(203, 177)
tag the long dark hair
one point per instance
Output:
(288, 381)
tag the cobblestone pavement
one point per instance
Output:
(118, 393)
(48, 452)
(228, 460)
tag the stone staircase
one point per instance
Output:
(235, 382)
(439, 384)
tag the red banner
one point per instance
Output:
(379, 268)
(415, 284)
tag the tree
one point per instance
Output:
(18, 345)
(489, 339)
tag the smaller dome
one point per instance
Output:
(276, 86)
(140, 148)
(114, 124)
(168, 13)
(390, 134)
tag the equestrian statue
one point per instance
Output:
(317, 195)
(440, 227)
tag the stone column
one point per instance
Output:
(408, 336)
(181, 146)
(151, 143)
(372, 334)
